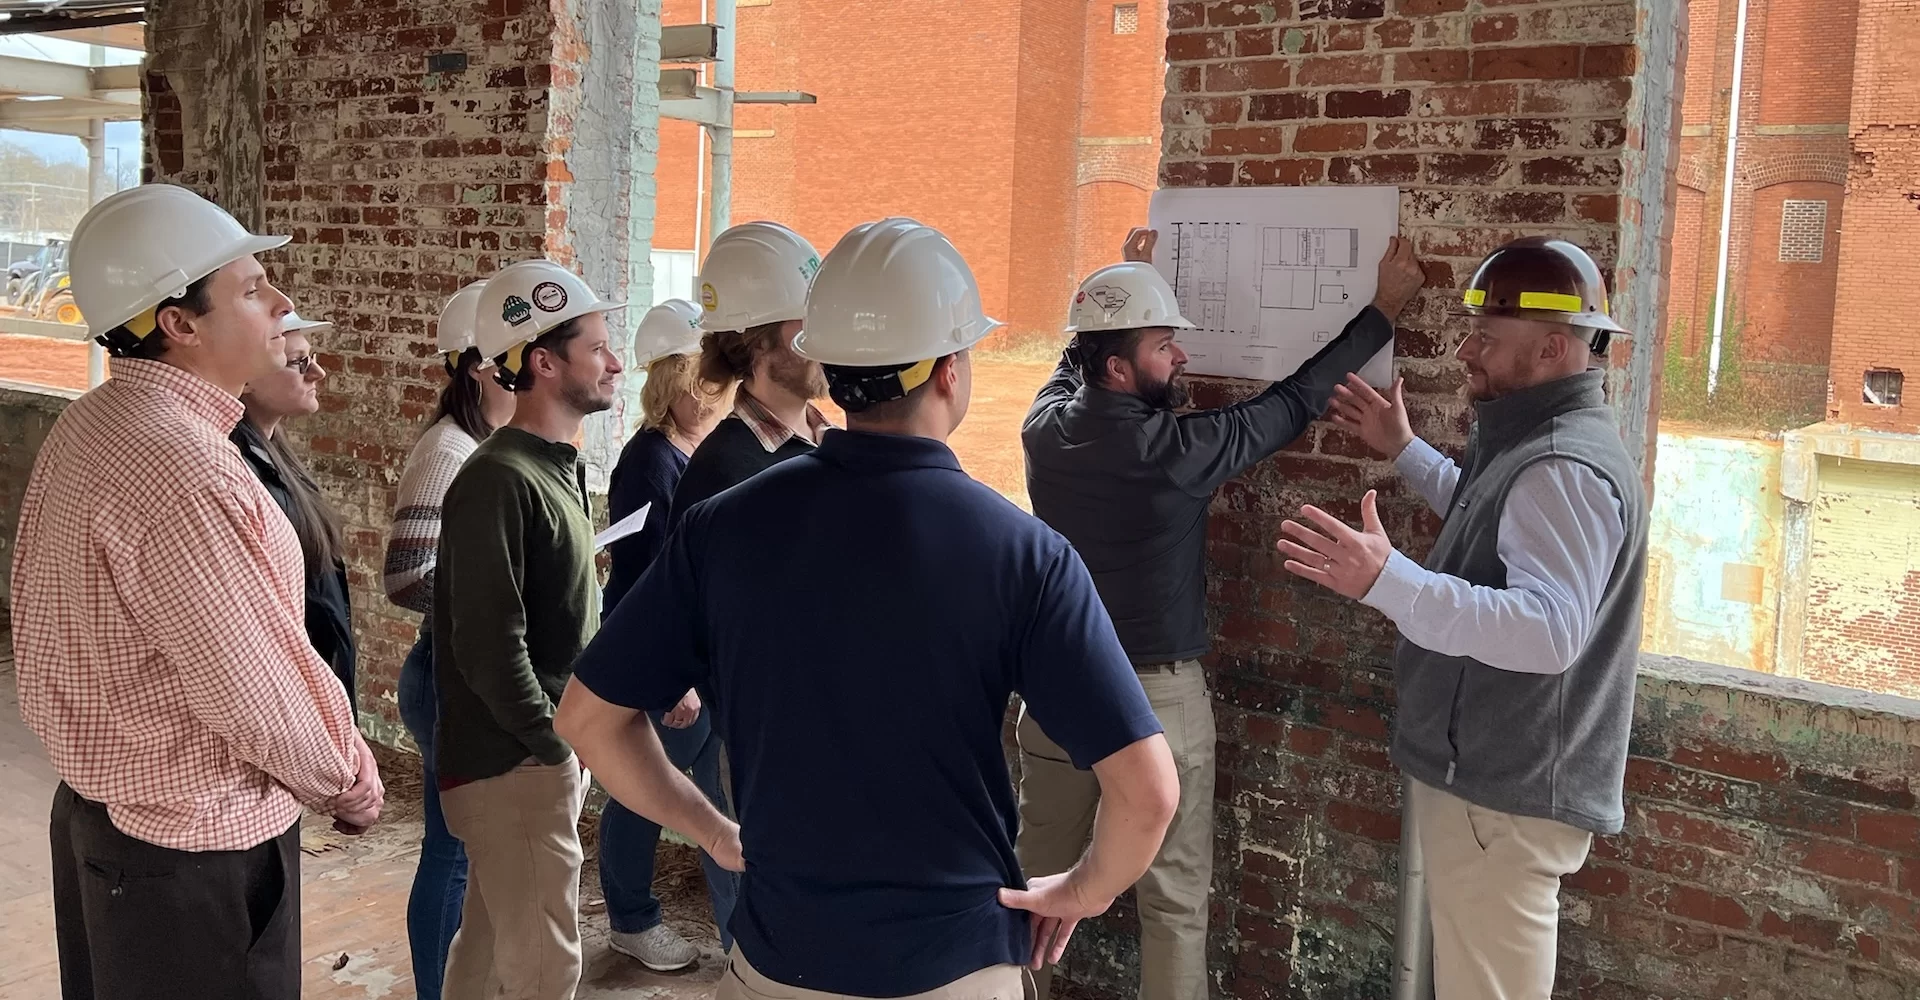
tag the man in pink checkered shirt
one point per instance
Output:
(157, 621)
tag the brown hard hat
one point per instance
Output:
(1541, 278)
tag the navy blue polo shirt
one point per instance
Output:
(857, 618)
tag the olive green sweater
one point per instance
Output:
(514, 593)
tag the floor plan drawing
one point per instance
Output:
(1269, 276)
(1204, 267)
(1304, 267)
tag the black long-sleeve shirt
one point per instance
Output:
(1129, 485)
(648, 472)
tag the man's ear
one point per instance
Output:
(1119, 369)
(176, 324)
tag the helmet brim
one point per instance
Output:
(962, 341)
(1176, 323)
(1582, 321)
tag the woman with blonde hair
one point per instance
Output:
(679, 406)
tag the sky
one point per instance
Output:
(124, 136)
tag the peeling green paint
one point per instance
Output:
(1293, 41)
(1268, 14)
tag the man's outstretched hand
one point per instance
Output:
(1380, 421)
(1400, 278)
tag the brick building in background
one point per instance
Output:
(1825, 114)
(1027, 130)
(1778, 554)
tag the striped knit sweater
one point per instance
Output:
(415, 537)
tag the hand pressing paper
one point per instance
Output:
(629, 525)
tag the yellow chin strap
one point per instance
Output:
(913, 378)
(145, 323)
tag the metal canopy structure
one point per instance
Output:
(44, 96)
(41, 95)
(51, 16)
(685, 98)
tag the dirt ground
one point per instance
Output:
(43, 361)
(988, 443)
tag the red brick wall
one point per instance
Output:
(397, 186)
(1883, 218)
(1119, 153)
(1107, 211)
(1495, 122)
(924, 126)
(974, 132)
(1687, 305)
(1705, 35)
(1805, 77)
(1044, 162)
(1797, 89)
(1789, 305)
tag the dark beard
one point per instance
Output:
(1168, 395)
(799, 376)
(583, 400)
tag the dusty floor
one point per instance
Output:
(354, 894)
(988, 443)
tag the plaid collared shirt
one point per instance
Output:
(158, 606)
(771, 431)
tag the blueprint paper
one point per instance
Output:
(1272, 274)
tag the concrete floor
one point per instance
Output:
(354, 896)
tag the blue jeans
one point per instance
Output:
(627, 839)
(440, 883)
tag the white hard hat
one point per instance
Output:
(142, 246)
(756, 273)
(292, 323)
(892, 292)
(527, 299)
(672, 327)
(1125, 296)
(453, 334)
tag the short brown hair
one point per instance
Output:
(121, 342)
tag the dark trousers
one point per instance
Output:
(136, 921)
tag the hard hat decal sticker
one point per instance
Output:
(515, 311)
(1110, 299)
(549, 297)
(709, 299)
(810, 268)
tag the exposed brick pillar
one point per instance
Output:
(1496, 122)
(399, 185)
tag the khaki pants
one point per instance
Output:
(998, 982)
(1057, 804)
(1493, 885)
(519, 933)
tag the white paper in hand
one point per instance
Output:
(629, 525)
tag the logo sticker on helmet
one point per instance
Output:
(515, 311)
(810, 268)
(549, 297)
(1110, 299)
(709, 299)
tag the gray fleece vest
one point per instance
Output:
(1554, 746)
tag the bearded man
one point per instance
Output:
(1116, 465)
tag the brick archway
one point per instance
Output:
(1823, 168)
